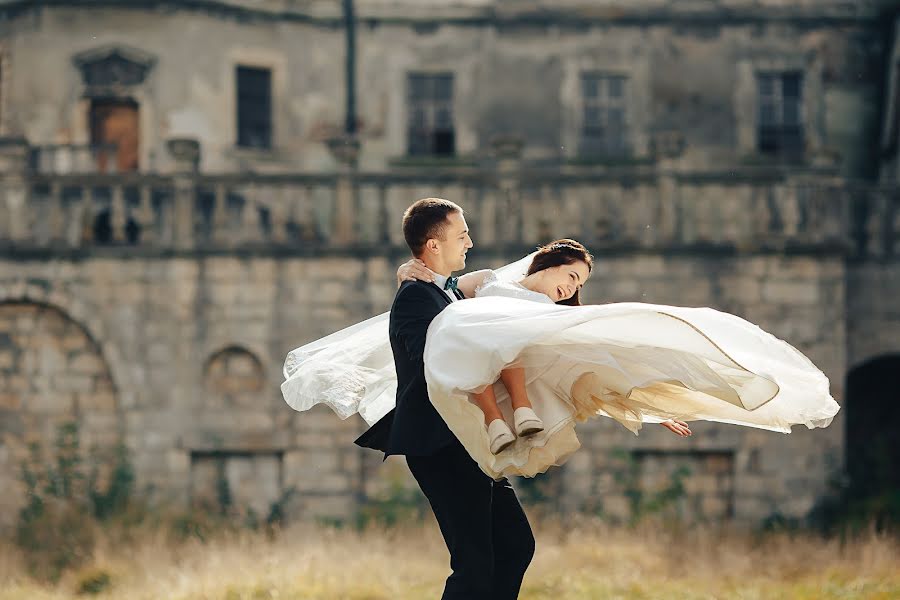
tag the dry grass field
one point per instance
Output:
(581, 560)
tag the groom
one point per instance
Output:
(483, 525)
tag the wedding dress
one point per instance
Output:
(636, 363)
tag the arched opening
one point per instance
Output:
(873, 439)
(233, 377)
(54, 377)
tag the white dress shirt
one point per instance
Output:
(441, 281)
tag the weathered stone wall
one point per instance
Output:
(190, 89)
(173, 342)
(691, 72)
(746, 473)
(51, 372)
(873, 311)
(195, 347)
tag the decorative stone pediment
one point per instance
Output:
(114, 67)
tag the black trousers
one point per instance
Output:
(483, 524)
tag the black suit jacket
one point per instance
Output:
(414, 427)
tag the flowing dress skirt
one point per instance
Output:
(636, 363)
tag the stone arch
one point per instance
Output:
(233, 376)
(872, 409)
(52, 372)
(43, 292)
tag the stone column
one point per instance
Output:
(118, 217)
(186, 152)
(146, 219)
(14, 189)
(668, 148)
(345, 150)
(507, 150)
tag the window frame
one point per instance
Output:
(424, 140)
(778, 137)
(249, 124)
(602, 139)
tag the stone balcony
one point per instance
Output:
(510, 205)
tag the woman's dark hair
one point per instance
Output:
(426, 219)
(562, 252)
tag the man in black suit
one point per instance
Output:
(483, 524)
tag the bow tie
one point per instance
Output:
(451, 283)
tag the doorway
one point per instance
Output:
(115, 134)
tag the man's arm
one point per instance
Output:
(413, 311)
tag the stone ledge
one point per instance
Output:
(493, 13)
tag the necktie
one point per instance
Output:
(451, 284)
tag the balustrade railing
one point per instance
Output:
(631, 209)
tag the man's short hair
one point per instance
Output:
(426, 219)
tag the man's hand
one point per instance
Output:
(412, 270)
(678, 427)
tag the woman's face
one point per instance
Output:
(561, 283)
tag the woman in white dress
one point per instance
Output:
(636, 363)
(557, 273)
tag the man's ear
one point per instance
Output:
(432, 246)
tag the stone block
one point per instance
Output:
(87, 363)
(50, 402)
(73, 382)
(9, 401)
(96, 401)
(714, 507)
(791, 292)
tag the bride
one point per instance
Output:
(524, 331)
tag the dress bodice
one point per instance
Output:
(493, 286)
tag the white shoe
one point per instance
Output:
(500, 436)
(527, 422)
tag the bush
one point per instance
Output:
(56, 538)
(93, 581)
(644, 504)
(398, 504)
(56, 526)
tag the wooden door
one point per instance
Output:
(115, 122)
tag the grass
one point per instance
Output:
(584, 559)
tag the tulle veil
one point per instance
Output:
(352, 370)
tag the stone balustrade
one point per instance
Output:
(508, 207)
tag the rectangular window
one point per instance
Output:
(430, 121)
(254, 107)
(780, 117)
(604, 129)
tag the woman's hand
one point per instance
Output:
(678, 427)
(412, 270)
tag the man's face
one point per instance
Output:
(456, 242)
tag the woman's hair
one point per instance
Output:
(562, 252)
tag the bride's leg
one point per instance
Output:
(500, 436)
(526, 421)
(514, 380)
(487, 402)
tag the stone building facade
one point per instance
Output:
(179, 207)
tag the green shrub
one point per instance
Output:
(93, 581)
(55, 530)
(398, 504)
